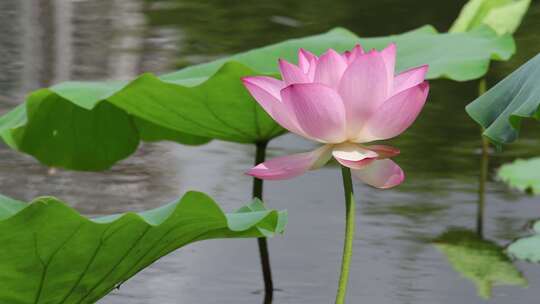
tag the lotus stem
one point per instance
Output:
(484, 161)
(260, 155)
(349, 235)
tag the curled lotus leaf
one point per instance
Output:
(502, 108)
(52, 254)
(504, 16)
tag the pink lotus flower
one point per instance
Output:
(343, 101)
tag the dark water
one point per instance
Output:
(44, 42)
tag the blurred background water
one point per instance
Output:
(45, 42)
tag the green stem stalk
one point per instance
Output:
(484, 162)
(260, 155)
(349, 235)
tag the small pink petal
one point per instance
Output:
(382, 174)
(395, 115)
(353, 156)
(353, 152)
(409, 79)
(266, 91)
(318, 109)
(312, 68)
(356, 165)
(384, 151)
(389, 56)
(305, 58)
(330, 68)
(291, 73)
(290, 166)
(363, 87)
(269, 85)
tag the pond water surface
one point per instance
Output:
(395, 261)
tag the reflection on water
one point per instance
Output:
(481, 261)
(43, 42)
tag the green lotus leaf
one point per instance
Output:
(504, 16)
(457, 56)
(481, 261)
(527, 248)
(92, 125)
(501, 109)
(52, 254)
(63, 134)
(522, 174)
